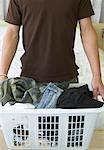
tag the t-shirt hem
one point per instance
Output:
(86, 16)
(52, 79)
(12, 22)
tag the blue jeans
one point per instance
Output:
(50, 93)
(50, 96)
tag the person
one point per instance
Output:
(48, 38)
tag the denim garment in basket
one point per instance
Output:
(50, 96)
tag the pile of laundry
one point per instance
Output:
(25, 90)
(22, 92)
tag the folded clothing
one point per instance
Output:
(78, 97)
(26, 90)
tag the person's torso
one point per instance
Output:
(48, 36)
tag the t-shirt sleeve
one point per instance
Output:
(14, 15)
(85, 9)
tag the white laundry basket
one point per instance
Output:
(48, 129)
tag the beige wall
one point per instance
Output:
(1, 9)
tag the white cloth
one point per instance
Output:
(18, 106)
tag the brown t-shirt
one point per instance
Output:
(48, 36)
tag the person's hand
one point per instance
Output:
(98, 88)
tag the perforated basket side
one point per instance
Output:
(16, 130)
(48, 130)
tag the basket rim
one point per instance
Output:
(54, 111)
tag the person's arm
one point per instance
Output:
(90, 44)
(10, 43)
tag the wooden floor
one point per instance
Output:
(97, 141)
(96, 144)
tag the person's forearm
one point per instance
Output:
(90, 43)
(8, 50)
